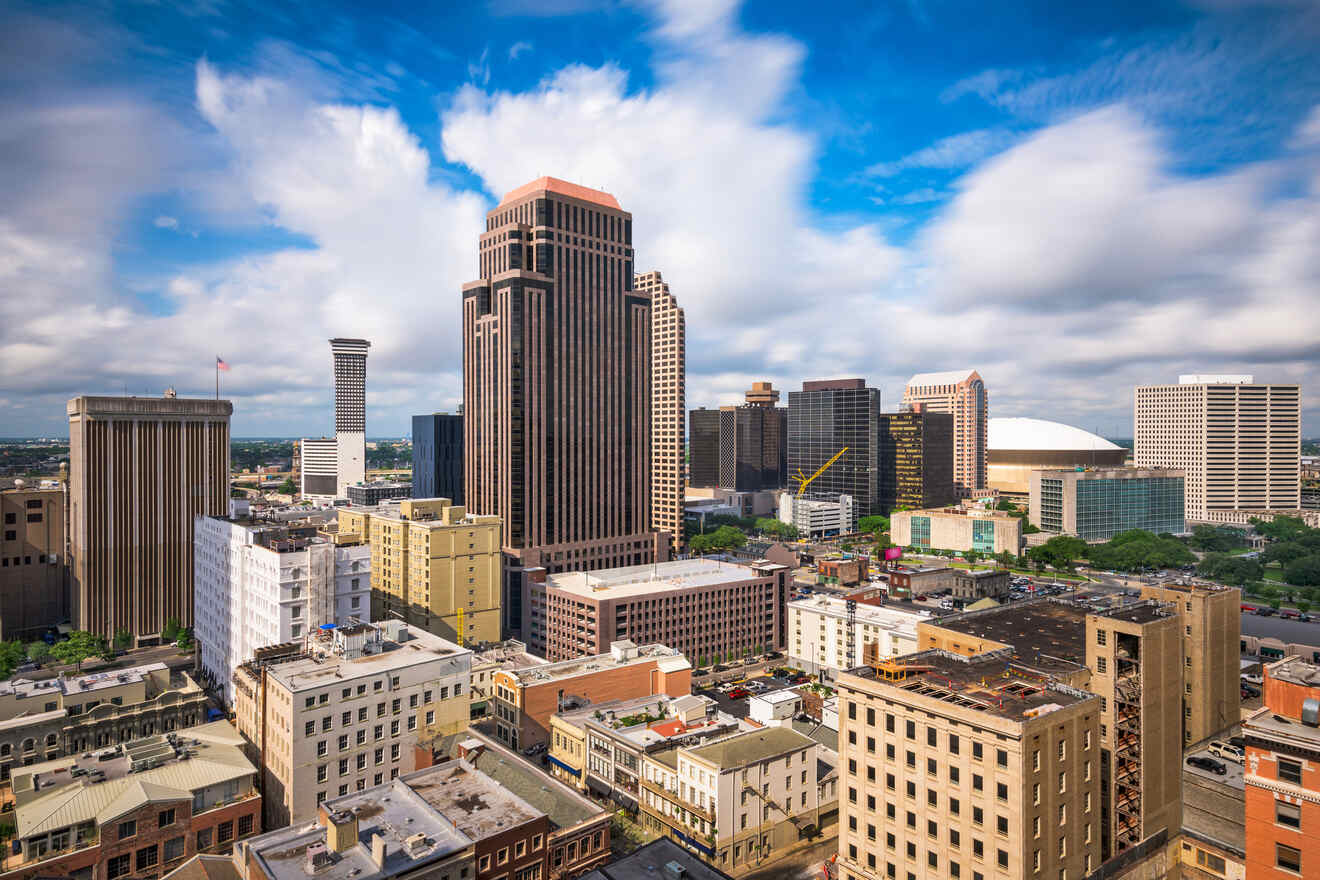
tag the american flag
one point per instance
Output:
(220, 364)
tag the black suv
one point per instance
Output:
(1216, 767)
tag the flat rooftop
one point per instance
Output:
(751, 747)
(1214, 811)
(548, 672)
(1295, 670)
(1041, 630)
(78, 685)
(993, 683)
(1136, 612)
(891, 617)
(508, 656)
(648, 863)
(639, 580)
(323, 667)
(656, 732)
(475, 803)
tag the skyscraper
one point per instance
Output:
(140, 470)
(437, 457)
(704, 447)
(350, 410)
(557, 385)
(668, 378)
(962, 393)
(1237, 443)
(741, 448)
(825, 417)
(916, 460)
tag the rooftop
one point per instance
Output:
(751, 747)
(206, 867)
(1042, 436)
(320, 665)
(1214, 811)
(1295, 670)
(649, 862)
(638, 722)
(947, 377)
(884, 616)
(78, 685)
(476, 804)
(563, 188)
(636, 580)
(507, 655)
(548, 672)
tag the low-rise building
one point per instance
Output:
(46, 719)
(704, 608)
(774, 708)
(816, 518)
(818, 639)
(1095, 504)
(1213, 842)
(741, 800)
(133, 810)
(986, 584)
(373, 493)
(908, 581)
(525, 699)
(844, 571)
(486, 661)
(659, 858)
(341, 711)
(986, 531)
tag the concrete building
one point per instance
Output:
(318, 469)
(814, 518)
(818, 640)
(741, 800)
(557, 385)
(987, 531)
(825, 417)
(1237, 443)
(525, 699)
(704, 447)
(701, 607)
(1015, 447)
(34, 561)
(961, 393)
(916, 459)
(259, 583)
(650, 860)
(488, 659)
(907, 581)
(47, 719)
(845, 570)
(962, 766)
(1213, 845)
(668, 406)
(437, 456)
(378, 492)
(133, 811)
(988, 584)
(741, 448)
(140, 470)
(1211, 621)
(350, 356)
(1282, 781)
(433, 565)
(341, 710)
(1097, 504)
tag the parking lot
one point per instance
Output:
(755, 684)
(1232, 777)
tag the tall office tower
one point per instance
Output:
(916, 459)
(437, 456)
(762, 394)
(34, 565)
(741, 448)
(962, 393)
(350, 411)
(704, 447)
(1237, 443)
(140, 470)
(825, 417)
(668, 380)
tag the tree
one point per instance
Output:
(971, 556)
(1215, 539)
(1059, 552)
(1303, 605)
(1281, 528)
(872, 524)
(171, 630)
(1030, 529)
(1285, 552)
(185, 642)
(288, 487)
(1005, 504)
(1227, 569)
(1304, 572)
(1005, 559)
(38, 652)
(11, 655)
(123, 639)
(77, 647)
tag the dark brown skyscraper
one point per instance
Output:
(557, 383)
(916, 459)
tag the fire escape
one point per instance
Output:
(1127, 756)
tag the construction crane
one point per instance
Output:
(804, 481)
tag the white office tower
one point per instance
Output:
(1238, 443)
(319, 468)
(259, 583)
(350, 410)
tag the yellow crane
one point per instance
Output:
(803, 481)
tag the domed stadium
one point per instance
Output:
(1016, 447)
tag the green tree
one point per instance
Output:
(1228, 569)
(1059, 552)
(1285, 552)
(1275, 603)
(971, 556)
(288, 487)
(1216, 539)
(701, 661)
(1303, 605)
(185, 642)
(1281, 528)
(1304, 572)
(11, 655)
(123, 639)
(1005, 504)
(77, 647)
(171, 630)
(872, 524)
(1030, 529)
(1005, 559)
(38, 652)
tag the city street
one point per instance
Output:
(803, 865)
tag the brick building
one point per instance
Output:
(34, 564)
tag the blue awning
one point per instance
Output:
(696, 844)
(562, 766)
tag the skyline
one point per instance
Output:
(1047, 198)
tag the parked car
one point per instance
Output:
(1208, 764)
(1253, 678)
(1249, 691)
(799, 679)
(1227, 751)
(739, 693)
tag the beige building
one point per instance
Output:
(1211, 621)
(1237, 442)
(668, 382)
(34, 560)
(967, 766)
(343, 710)
(962, 393)
(818, 633)
(140, 470)
(433, 565)
(957, 528)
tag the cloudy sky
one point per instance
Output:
(1071, 198)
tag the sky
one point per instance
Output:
(1072, 199)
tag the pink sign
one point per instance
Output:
(893, 553)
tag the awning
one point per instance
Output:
(562, 766)
(624, 799)
(695, 844)
(597, 787)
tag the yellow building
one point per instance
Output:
(432, 565)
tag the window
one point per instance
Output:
(911, 729)
(953, 744)
(204, 839)
(1001, 858)
(976, 751)
(1001, 757)
(1290, 771)
(932, 736)
(166, 818)
(1288, 814)
(147, 857)
(1287, 858)
(1099, 637)
(1210, 861)
(119, 866)
(224, 832)
(1101, 665)
(1001, 791)
(309, 729)
(174, 848)
(245, 825)
(127, 829)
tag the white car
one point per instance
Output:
(1253, 678)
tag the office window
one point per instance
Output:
(1290, 771)
(1001, 858)
(245, 825)
(174, 849)
(204, 839)
(1001, 825)
(147, 857)
(166, 818)
(127, 828)
(1288, 814)
(953, 744)
(976, 751)
(932, 737)
(1001, 757)
(119, 866)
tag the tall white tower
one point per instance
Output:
(350, 410)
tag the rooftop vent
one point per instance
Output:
(675, 871)
(1311, 712)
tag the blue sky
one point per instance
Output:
(1071, 198)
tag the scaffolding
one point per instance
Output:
(1127, 750)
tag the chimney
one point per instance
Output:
(341, 830)
(378, 851)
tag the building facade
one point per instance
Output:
(318, 468)
(437, 456)
(704, 447)
(668, 406)
(1018, 446)
(34, 561)
(916, 459)
(962, 393)
(825, 417)
(957, 528)
(350, 356)
(378, 491)
(1096, 504)
(742, 448)
(259, 583)
(814, 518)
(818, 640)
(432, 565)
(704, 608)
(341, 710)
(140, 470)
(1237, 443)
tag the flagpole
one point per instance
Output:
(217, 377)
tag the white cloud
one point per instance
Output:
(519, 48)
(955, 151)
(166, 222)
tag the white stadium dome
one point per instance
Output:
(1041, 435)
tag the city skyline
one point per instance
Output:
(266, 180)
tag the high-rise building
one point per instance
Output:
(557, 385)
(916, 459)
(437, 456)
(350, 410)
(1237, 443)
(962, 393)
(34, 564)
(704, 447)
(140, 470)
(740, 448)
(825, 417)
(318, 468)
(668, 381)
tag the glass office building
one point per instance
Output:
(825, 417)
(1098, 503)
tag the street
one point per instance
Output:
(802, 865)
